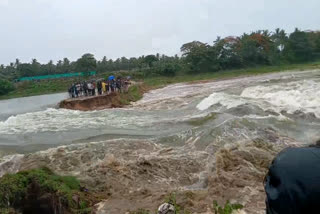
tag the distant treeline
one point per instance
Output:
(253, 49)
(256, 48)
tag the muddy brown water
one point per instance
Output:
(214, 139)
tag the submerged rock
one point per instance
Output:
(166, 208)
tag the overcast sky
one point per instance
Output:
(54, 29)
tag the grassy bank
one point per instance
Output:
(134, 94)
(26, 89)
(40, 190)
(55, 86)
(162, 81)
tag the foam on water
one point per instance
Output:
(178, 159)
(10, 164)
(227, 100)
(57, 120)
(164, 111)
(302, 96)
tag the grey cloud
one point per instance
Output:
(46, 29)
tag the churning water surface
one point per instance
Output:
(211, 112)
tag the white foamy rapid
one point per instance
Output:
(176, 138)
(302, 96)
(167, 111)
(56, 120)
(227, 100)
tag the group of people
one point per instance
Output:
(99, 87)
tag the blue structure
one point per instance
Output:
(58, 76)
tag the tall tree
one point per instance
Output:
(150, 59)
(35, 68)
(86, 63)
(299, 48)
(102, 65)
(228, 52)
(66, 68)
(17, 63)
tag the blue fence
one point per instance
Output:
(58, 76)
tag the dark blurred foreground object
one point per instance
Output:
(292, 184)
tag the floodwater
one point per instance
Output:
(286, 102)
(29, 104)
(170, 139)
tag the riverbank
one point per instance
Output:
(55, 86)
(227, 74)
(27, 89)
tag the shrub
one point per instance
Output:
(14, 189)
(5, 87)
(227, 209)
(169, 70)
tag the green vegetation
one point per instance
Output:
(134, 93)
(227, 209)
(54, 86)
(25, 89)
(15, 190)
(5, 87)
(171, 199)
(163, 81)
(249, 54)
(256, 48)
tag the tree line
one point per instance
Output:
(250, 49)
(87, 62)
(254, 49)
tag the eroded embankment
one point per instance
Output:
(113, 100)
(89, 103)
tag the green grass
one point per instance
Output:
(15, 187)
(134, 93)
(162, 81)
(171, 199)
(227, 209)
(38, 88)
(55, 86)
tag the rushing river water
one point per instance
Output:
(218, 137)
(226, 110)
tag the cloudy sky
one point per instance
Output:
(53, 29)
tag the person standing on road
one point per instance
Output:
(89, 89)
(104, 85)
(99, 87)
(93, 88)
(85, 88)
